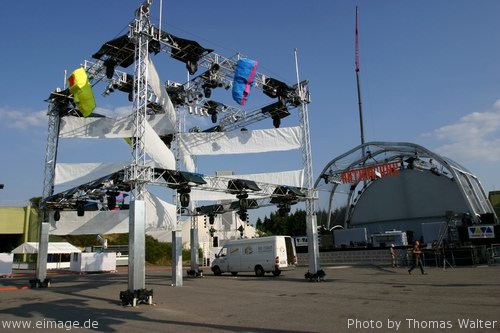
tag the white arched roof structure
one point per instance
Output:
(396, 185)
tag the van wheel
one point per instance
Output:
(259, 271)
(234, 273)
(216, 271)
(277, 272)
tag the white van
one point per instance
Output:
(262, 255)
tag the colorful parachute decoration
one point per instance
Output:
(243, 79)
(79, 87)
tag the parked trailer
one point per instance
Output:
(272, 254)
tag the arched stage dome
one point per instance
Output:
(386, 186)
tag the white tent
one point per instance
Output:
(54, 247)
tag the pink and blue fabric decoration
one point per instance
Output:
(243, 79)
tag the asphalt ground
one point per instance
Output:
(351, 299)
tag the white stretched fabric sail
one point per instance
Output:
(291, 178)
(241, 142)
(155, 148)
(160, 215)
(110, 128)
(158, 150)
(75, 174)
(92, 223)
(160, 91)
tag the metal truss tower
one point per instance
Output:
(48, 187)
(138, 173)
(311, 218)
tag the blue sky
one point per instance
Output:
(430, 75)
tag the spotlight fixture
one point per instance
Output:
(213, 108)
(184, 197)
(243, 215)
(286, 196)
(111, 199)
(80, 208)
(182, 182)
(275, 88)
(187, 51)
(57, 215)
(110, 65)
(120, 50)
(277, 111)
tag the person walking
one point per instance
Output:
(417, 258)
(393, 256)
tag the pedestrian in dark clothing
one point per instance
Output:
(417, 258)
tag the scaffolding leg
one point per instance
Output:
(41, 263)
(177, 258)
(136, 293)
(315, 272)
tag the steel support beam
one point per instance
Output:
(137, 246)
(177, 258)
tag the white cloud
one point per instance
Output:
(474, 136)
(22, 119)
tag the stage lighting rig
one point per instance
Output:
(211, 80)
(277, 111)
(185, 50)
(182, 182)
(286, 196)
(240, 187)
(213, 108)
(116, 52)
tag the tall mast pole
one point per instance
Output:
(360, 108)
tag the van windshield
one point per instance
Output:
(223, 252)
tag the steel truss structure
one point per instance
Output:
(142, 39)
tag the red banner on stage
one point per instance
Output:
(370, 173)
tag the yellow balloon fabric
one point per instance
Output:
(80, 88)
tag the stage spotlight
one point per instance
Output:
(276, 122)
(80, 208)
(277, 111)
(111, 202)
(184, 198)
(243, 216)
(192, 66)
(110, 67)
(207, 91)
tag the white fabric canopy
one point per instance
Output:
(158, 150)
(160, 91)
(75, 174)
(110, 128)
(155, 148)
(241, 142)
(54, 247)
(160, 215)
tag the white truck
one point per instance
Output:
(272, 254)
